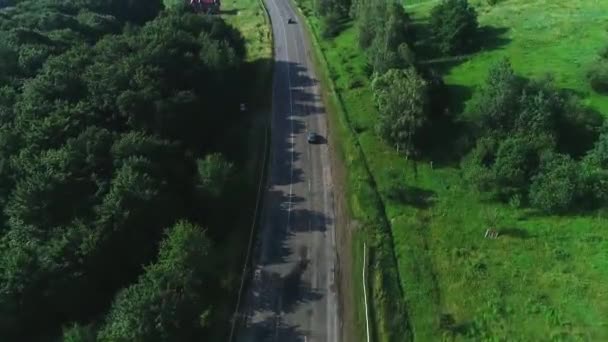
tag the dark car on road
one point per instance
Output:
(312, 137)
(291, 21)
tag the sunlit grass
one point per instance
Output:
(544, 36)
(249, 17)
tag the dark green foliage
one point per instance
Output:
(595, 171)
(597, 72)
(385, 30)
(214, 174)
(557, 185)
(517, 159)
(505, 167)
(506, 104)
(330, 25)
(398, 28)
(477, 165)
(339, 8)
(526, 129)
(168, 301)
(100, 133)
(391, 43)
(78, 333)
(366, 29)
(597, 75)
(454, 26)
(598, 155)
(332, 14)
(494, 104)
(402, 100)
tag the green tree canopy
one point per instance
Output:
(401, 98)
(105, 108)
(454, 26)
(557, 185)
(168, 300)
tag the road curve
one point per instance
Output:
(293, 295)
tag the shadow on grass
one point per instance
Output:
(411, 195)
(446, 139)
(492, 38)
(448, 324)
(489, 38)
(514, 233)
(458, 97)
(344, 24)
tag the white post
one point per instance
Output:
(365, 292)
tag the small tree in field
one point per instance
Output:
(454, 26)
(401, 98)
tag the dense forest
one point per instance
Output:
(112, 115)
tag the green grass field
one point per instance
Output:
(545, 278)
(560, 37)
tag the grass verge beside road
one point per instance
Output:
(543, 279)
(248, 142)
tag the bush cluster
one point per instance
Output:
(521, 152)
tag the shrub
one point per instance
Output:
(604, 52)
(214, 173)
(557, 185)
(597, 75)
(594, 170)
(454, 26)
(505, 168)
(330, 25)
(355, 83)
(516, 161)
(494, 105)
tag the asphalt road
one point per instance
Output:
(292, 296)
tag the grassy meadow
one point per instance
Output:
(544, 278)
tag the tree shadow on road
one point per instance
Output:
(316, 222)
(275, 329)
(294, 290)
(277, 285)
